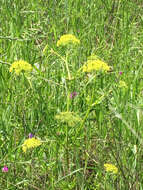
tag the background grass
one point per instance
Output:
(71, 157)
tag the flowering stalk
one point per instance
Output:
(67, 137)
(65, 60)
(67, 147)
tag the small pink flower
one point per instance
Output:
(30, 135)
(120, 73)
(73, 94)
(5, 169)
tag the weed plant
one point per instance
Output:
(79, 129)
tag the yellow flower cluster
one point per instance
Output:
(111, 168)
(70, 118)
(30, 143)
(95, 65)
(19, 66)
(67, 39)
(122, 84)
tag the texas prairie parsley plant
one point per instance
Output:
(95, 64)
(68, 39)
(19, 66)
(122, 84)
(111, 168)
(30, 143)
(69, 118)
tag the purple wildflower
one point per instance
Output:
(5, 169)
(30, 135)
(120, 73)
(73, 94)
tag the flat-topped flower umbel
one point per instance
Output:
(67, 39)
(31, 143)
(122, 84)
(70, 118)
(19, 66)
(95, 65)
(111, 168)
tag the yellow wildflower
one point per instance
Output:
(67, 39)
(19, 66)
(30, 143)
(95, 65)
(111, 168)
(122, 84)
(70, 118)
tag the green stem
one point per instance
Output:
(65, 61)
(67, 148)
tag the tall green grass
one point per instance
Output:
(73, 153)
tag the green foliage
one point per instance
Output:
(79, 134)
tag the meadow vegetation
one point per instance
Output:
(71, 89)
